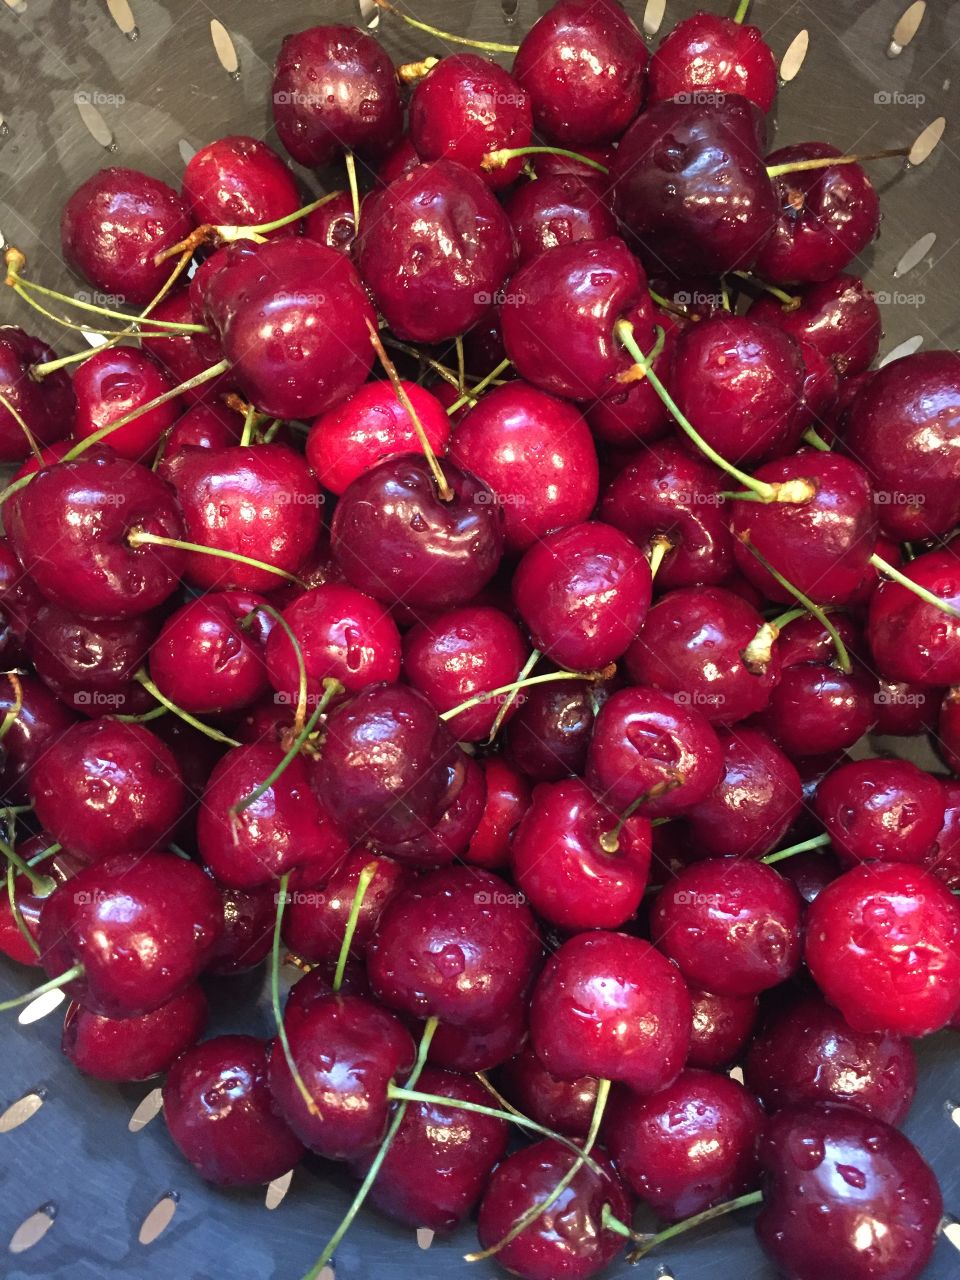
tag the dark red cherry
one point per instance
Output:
(220, 1114)
(689, 181)
(29, 902)
(184, 355)
(447, 840)
(732, 926)
(400, 159)
(452, 1151)
(631, 413)
(583, 592)
(886, 810)
(449, 250)
(142, 925)
(807, 1053)
(335, 90)
(70, 525)
(944, 859)
(547, 738)
(722, 1026)
(555, 164)
(948, 730)
(558, 210)
(113, 228)
(247, 935)
(707, 56)
(105, 787)
(805, 640)
(584, 66)
(315, 920)
(37, 723)
(902, 709)
(839, 317)
(847, 1195)
(827, 216)
(468, 1049)
(910, 639)
(508, 795)
(566, 1106)
(458, 944)
(368, 427)
(205, 426)
(47, 405)
(822, 545)
(536, 454)
(816, 709)
(125, 1049)
(333, 224)
(397, 539)
(91, 665)
(883, 945)
(239, 181)
(810, 872)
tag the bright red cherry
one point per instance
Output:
(315, 920)
(884, 810)
(508, 795)
(125, 1049)
(46, 405)
(838, 317)
(707, 55)
(722, 1027)
(556, 210)
(239, 181)
(910, 639)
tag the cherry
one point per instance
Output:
(689, 181)
(845, 1194)
(315, 921)
(644, 740)
(948, 730)
(400, 541)
(559, 312)
(239, 181)
(91, 665)
(141, 925)
(557, 163)
(126, 1049)
(368, 427)
(205, 426)
(889, 810)
(114, 227)
(944, 859)
(453, 1152)
(284, 827)
(610, 1005)
(569, 1240)
(548, 737)
(902, 709)
(902, 428)
(839, 317)
(335, 90)
(631, 413)
(114, 382)
(707, 56)
(29, 897)
(911, 639)
(333, 223)
(583, 592)
(469, 1050)
(460, 654)
(741, 383)
(558, 210)
(105, 787)
(185, 355)
(70, 527)
(38, 723)
(883, 945)
(816, 709)
(47, 405)
(584, 66)
(565, 1106)
(458, 944)
(466, 107)
(447, 840)
(805, 639)
(536, 454)
(449, 250)
(732, 926)
(347, 1051)
(807, 1053)
(576, 865)
(508, 795)
(827, 217)
(247, 934)
(722, 1027)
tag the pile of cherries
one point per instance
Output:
(473, 589)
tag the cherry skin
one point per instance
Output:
(828, 1170)
(397, 539)
(368, 427)
(536, 454)
(205, 426)
(548, 737)
(29, 902)
(449, 251)
(733, 926)
(811, 872)
(948, 730)
(565, 1106)
(447, 840)
(807, 1053)
(460, 654)
(827, 217)
(944, 859)
(38, 723)
(839, 317)
(184, 355)
(452, 1151)
(903, 709)
(458, 944)
(247, 935)
(882, 946)
(468, 1050)
(508, 795)
(113, 228)
(910, 639)
(584, 66)
(583, 593)
(126, 1049)
(143, 925)
(47, 406)
(706, 55)
(631, 413)
(335, 90)
(315, 920)
(558, 210)
(816, 709)
(333, 224)
(689, 181)
(888, 810)
(239, 181)
(70, 526)
(722, 1027)
(105, 787)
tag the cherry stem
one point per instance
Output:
(444, 492)
(480, 698)
(889, 571)
(610, 840)
(826, 162)
(410, 72)
(537, 1210)
(350, 161)
(667, 304)
(275, 998)
(11, 717)
(429, 1031)
(62, 980)
(461, 365)
(679, 1228)
(637, 372)
(141, 538)
(742, 9)
(364, 881)
(815, 842)
(43, 885)
(143, 679)
(490, 45)
(815, 440)
(609, 1222)
(28, 434)
(440, 369)
(498, 159)
(508, 702)
(480, 387)
(300, 718)
(17, 914)
(758, 654)
(264, 228)
(843, 658)
(660, 546)
(790, 303)
(249, 422)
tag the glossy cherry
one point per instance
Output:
(125, 1049)
(886, 810)
(184, 355)
(333, 224)
(204, 426)
(315, 920)
(557, 210)
(708, 55)
(816, 709)
(903, 709)
(631, 413)
(447, 840)
(910, 639)
(239, 181)
(547, 738)
(722, 1027)
(246, 937)
(508, 795)
(46, 405)
(90, 665)
(39, 722)
(470, 1049)
(839, 317)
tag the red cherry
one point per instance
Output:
(556, 210)
(125, 1049)
(910, 639)
(239, 181)
(315, 920)
(707, 56)
(565, 1106)
(38, 723)
(547, 738)
(889, 810)
(838, 317)
(468, 1049)
(247, 934)
(184, 355)
(722, 1027)
(47, 405)
(333, 224)
(508, 796)
(205, 426)
(447, 840)
(816, 709)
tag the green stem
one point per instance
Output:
(461, 365)
(207, 730)
(815, 842)
(364, 881)
(610, 840)
(497, 159)
(173, 327)
(790, 303)
(514, 685)
(154, 714)
(508, 702)
(275, 998)
(351, 163)
(43, 885)
(17, 914)
(249, 422)
(12, 715)
(31, 439)
(660, 546)
(889, 571)
(62, 980)
(815, 440)
(742, 9)
(140, 538)
(300, 717)
(708, 1215)
(264, 228)
(489, 45)
(827, 162)
(482, 385)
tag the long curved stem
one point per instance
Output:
(513, 687)
(489, 45)
(207, 730)
(364, 881)
(826, 162)
(141, 538)
(61, 980)
(890, 571)
(497, 159)
(42, 885)
(275, 998)
(17, 914)
(708, 1215)
(815, 842)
